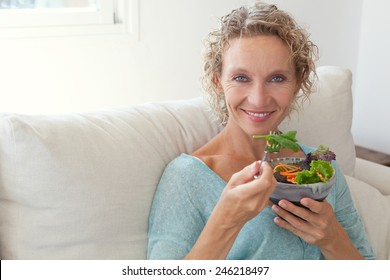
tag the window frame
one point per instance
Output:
(114, 17)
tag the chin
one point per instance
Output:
(262, 130)
(254, 131)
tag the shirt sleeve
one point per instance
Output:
(174, 222)
(348, 216)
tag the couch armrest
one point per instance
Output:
(374, 174)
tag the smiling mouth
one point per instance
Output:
(258, 116)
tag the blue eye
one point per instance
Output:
(277, 79)
(240, 78)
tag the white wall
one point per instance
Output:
(334, 26)
(55, 75)
(372, 99)
(50, 75)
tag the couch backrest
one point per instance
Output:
(80, 186)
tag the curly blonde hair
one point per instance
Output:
(248, 21)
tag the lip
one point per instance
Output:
(258, 116)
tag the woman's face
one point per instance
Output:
(259, 83)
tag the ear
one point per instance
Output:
(217, 81)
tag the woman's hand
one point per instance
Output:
(316, 224)
(241, 200)
(243, 197)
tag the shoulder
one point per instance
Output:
(183, 169)
(183, 163)
(176, 182)
(208, 160)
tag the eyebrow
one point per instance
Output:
(276, 71)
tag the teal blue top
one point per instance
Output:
(187, 193)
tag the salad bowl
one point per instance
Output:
(295, 192)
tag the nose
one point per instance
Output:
(258, 95)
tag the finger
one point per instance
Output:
(245, 175)
(307, 222)
(286, 225)
(313, 205)
(266, 169)
(308, 235)
(290, 222)
(298, 211)
(292, 213)
(266, 178)
(265, 184)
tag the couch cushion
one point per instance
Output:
(327, 117)
(374, 209)
(80, 186)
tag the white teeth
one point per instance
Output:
(258, 115)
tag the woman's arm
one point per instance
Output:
(242, 199)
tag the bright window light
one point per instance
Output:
(30, 18)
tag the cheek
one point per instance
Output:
(231, 101)
(284, 102)
(232, 95)
(285, 97)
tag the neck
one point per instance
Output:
(237, 142)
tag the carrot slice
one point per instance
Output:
(288, 170)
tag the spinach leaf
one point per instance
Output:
(282, 140)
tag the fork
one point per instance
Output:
(268, 150)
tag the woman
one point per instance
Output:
(207, 205)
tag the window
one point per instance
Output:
(30, 18)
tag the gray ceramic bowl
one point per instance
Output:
(295, 192)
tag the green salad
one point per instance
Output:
(315, 168)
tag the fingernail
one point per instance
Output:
(282, 204)
(304, 202)
(252, 166)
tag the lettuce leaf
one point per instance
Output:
(322, 153)
(320, 171)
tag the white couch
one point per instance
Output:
(80, 186)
